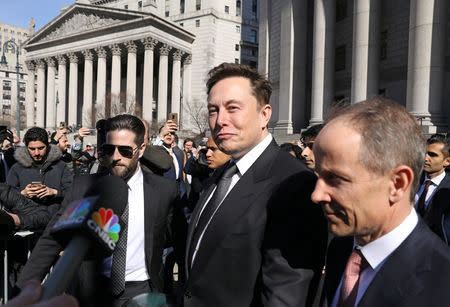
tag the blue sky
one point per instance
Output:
(19, 12)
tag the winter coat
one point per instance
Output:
(31, 214)
(53, 173)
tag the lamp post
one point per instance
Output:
(56, 109)
(14, 47)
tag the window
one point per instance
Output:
(197, 23)
(383, 45)
(238, 29)
(341, 10)
(182, 6)
(339, 63)
(167, 7)
(227, 9)
(236, 47)
(238, 7)
(254, 9)
(236, 61)
(198, 5)
(253, 36)
(125, 6)
(181, 24)
(139, 4)
(167, 14)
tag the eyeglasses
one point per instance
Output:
(125, 151)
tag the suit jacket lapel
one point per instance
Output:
(234, 206)
(151, 203)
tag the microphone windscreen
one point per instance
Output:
(113, 192)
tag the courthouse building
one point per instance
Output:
(319, 52)
(102, 57)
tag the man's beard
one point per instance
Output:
(129, 170)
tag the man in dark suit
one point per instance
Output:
(369, 158)
(254, 238)
(433, 197)
(151, 199)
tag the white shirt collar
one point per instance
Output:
(377, 251)
(244, 163)
(436, 180)
(136, 180)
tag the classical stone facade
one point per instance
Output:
(92, 62)
(318, 52)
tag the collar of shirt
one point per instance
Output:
(377, 251)
(244, 163)
(136, 180)
(436, 180)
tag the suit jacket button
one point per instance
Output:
(188, 294)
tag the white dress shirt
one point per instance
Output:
(377, 252)
(243, 164)
(435, 182)
(159, 142)
(135, 269)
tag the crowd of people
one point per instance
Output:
(246, 219)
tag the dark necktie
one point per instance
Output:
(423, 196)
(119, 258)
(349, 290)
(211, 207)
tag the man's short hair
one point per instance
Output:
(390, 136)
(287, 147)
(36, 134)
(261, 86)
(440, 138)
(312, 132)
(127, 122)
(189, 140)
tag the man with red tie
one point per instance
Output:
(369, 157)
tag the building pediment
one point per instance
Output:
(82, 18)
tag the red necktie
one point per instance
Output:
(423, 196)
(349, 290)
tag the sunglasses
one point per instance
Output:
(125, 151)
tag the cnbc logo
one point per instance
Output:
(75, 213)
(105, 224)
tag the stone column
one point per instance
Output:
(323, 58)
(51, 102)
(147, 95)
(264, 37)
(115, 80)
(40, 104)
(366, 49)
(13, 105)
(426, 63)
(176, 82)
(162, 82)
(87, 115)
(101, 83)
(187, 99)
(73, 89)
(131, 78)
(29, 103)
(62, 75)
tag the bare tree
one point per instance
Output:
(198, 113)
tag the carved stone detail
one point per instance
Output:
(50, 62)
(188, 59)
(101, 52)
(40, 63)
(131, 46)
(149, 43)
(73, 58)
(177, 55)
(164, 49)
(115, 49)
(80, 22)
(31, 66)
(88, 55)
(62, 60)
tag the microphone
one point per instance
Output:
(91, 223)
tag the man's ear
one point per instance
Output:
(141, 150)
(447, 161)
(266, 113)
(401, 181)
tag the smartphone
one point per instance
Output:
(62, 124)
(36, 182)
(92, 132)
(174, 117)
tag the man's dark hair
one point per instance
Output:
(261, 86)
(312, 132)
(440, 138)
(189, 140)
(36, 134)
(128, 122)
(287, 147)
